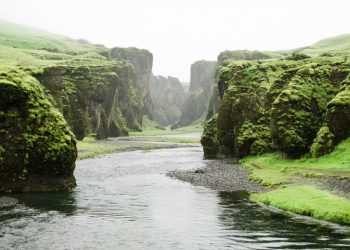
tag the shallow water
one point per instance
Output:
(125, 201)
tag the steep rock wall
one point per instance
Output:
(142, 61)
(201, 86)
(168, 96)
(292, 106)
(95, 99)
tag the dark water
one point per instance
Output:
(124, 201)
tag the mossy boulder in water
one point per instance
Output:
(37, 148)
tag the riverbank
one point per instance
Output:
(221, 175)
(89, 147)
(317, 187)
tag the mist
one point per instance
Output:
(179, 32)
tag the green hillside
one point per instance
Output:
(25, 46)
(335, 45)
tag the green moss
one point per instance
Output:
(209, 138)
(308, 200)
(272, 169)
(253, 139)
(323, 143)
(35, 138)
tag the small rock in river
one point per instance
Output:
(7, 202)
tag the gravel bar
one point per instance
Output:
(222, 175)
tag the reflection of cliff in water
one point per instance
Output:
(262, 225)
(63, 202)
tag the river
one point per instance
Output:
(125, 201)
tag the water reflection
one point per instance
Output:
(272, 228)
(125, 201)
(63, 202)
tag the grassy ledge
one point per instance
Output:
(271, 169)
(308, 200)
(293, 182)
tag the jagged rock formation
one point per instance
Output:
(224, 58)
(286, 105)
(201, 86)
(95, 99)
(37, 148)
(168, 96)
(142, 60)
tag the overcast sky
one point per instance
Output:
(179, 32)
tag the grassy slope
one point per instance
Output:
(308, 200)
(23, 46)
(289, 177)
(339, 45)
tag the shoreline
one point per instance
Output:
(221, 175)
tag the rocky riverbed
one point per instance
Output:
(222, 175)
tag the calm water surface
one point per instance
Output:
(125, 201)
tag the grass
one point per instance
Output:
(308, 200)
(150, 128)
(167, 139)
(271, 169)
(28, 47)
(291, 192)
(91, 148)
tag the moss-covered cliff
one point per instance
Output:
(45, 76)
(198, 98)
(37, 148)
(168, 96)
(285, 105)
(95, 99)
(142, 61)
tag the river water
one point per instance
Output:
(125, 201)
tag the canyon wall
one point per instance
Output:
(142, 61)
(293, 106)
(201, 86)
(95, 99)
(168, 97)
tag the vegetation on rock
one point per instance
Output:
(37, 148)
(168, 96)
(198, 98)
(281, 105)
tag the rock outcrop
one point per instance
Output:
(201, 86)
(95, 99)
(168, 96)
(292, 106)
(37, 148)
(142, 61)
(223, 60)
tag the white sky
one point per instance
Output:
(179, 32)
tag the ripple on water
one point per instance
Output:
(125, 201)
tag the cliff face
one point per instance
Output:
(37, 148)
(95, 99)
(292, 106)
(168, 96)
(142, 61)
(224, 58)
(201, 85)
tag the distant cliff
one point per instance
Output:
(142, 61)
(201, 86)
(168, 96)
